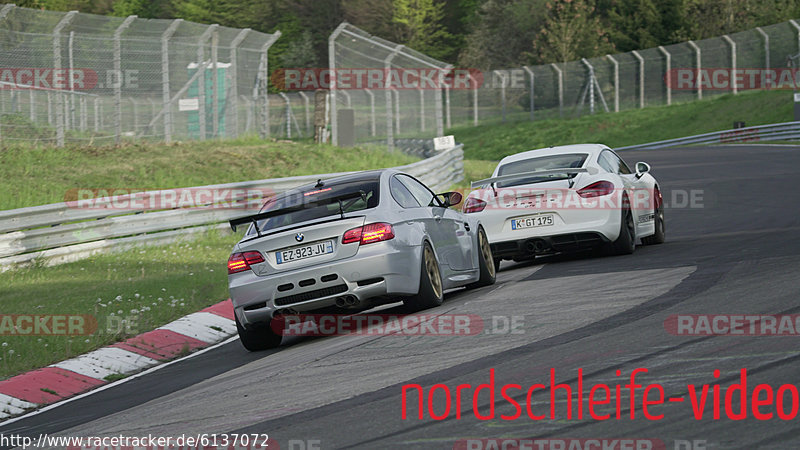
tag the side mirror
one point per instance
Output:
(450, 198)
(641, 169)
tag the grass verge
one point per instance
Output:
(493, 142)
(128, 293)
(31, 176)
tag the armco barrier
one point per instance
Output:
(61, 232)
(771, 132)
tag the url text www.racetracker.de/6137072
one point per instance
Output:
(208, 441)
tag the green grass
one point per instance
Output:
(145, 288)
(493, 142)
(32, 176)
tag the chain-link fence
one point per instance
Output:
(88, 78)
(378, 82)
(98, 79)
(752, 59)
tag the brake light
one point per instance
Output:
(374, 232)
(473, 205)
(239, 262)
(598, 189)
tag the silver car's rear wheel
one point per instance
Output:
(430, 293)
(258, 337)
(486, 262)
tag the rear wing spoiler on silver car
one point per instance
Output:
(255, 218)
(519, 176)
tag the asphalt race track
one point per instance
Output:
(733, 247)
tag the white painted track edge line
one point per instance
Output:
(117, 383)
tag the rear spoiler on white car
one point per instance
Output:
(519, 176)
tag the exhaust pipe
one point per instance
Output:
(351, 300)
(340, 302)
(534, 246)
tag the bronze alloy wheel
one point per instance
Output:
(486, 252)
(432, 267)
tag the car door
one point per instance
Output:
(465, 234)
(639, 195)
(442, 228)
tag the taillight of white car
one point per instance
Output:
(473, 205)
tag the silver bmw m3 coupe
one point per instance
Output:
(350, 243)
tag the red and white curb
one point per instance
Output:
(74, 376)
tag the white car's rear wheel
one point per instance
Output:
(658, 216)
(626, 242)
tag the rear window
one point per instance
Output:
(314, 212)
(565, 161)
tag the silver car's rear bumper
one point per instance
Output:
(381, 269)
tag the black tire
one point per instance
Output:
(661, 232)
(486, 262)
(626, 242)
(431, 293)
(497, 262)
(257, 337)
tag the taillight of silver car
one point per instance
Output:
(374, 232)
(239, 262)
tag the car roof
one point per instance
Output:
(367, 175)
(591, 149)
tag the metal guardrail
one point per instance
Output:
(63, 232)
(771, 132)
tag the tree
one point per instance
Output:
(571, 31)
(372, 16)
(634, 24)
(418, 25)
(501, 33)
(143, 8)
(87, 6)
(300, 53)
(710, 18)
